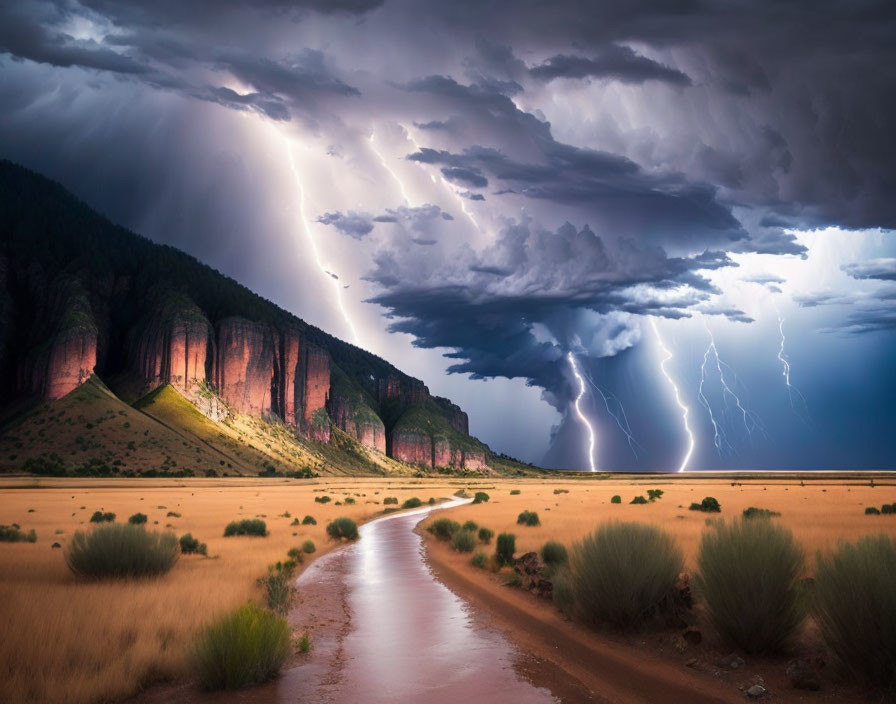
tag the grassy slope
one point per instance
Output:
(164, 430)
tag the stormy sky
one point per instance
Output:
(694, 198)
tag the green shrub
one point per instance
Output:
(708, 505)
(486, 535)
(554, 554)
(277, 586)
(247, 526)
(562, 593)
(528, 518)
(100, 517)
(245, 647)
(753, 512)
(463, 541)
(412, 502)
(561, 491)
(872, 511)
(855, 607)
(173, 514)
(654, 494)
(309, 521)
(322, 499)
(515, 492)
(471, 526)
(888, 508)
(444, 528)
(348, 501)
(617, 499)
(479, 559)
(505, 548)
(137, 519)
(304, 643)
(431, 501)
(190, 545)
(390, 500)
(308, 547)
(121, 550)
(638, 500)
(480, 497)
(748, 576)
(623, 573)
(343, 528)
(12, 534)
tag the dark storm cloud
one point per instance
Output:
(470, 177)
(351, 223)
(882, 269)
(486, 309)
(615, 62)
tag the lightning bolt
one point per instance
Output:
(592, 440)
(718, 434)
(750, 421)
(622, 423)
(685, 411)
(306, 226)
(394, 176)
(785, 367)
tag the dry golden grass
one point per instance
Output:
(70, 641)
(819, 513)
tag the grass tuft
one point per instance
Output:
(343, 528)
(247, 526)
(528, 518)
(855, 607)
(464, 541)
(12, 534)
(748, 576)
(444, 528)
(121, 550)
(505, 548)
(554, 554)
(245, 647)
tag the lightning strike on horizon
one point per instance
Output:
(684, 409)
(750, 422)
(324, 269)
(622, 423)
(785, 365)
(718, 433)
(592, 441)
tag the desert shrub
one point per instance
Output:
(121, 550)
(528, 518)
(462, 494)
(505, 548)
(247, 646)
(561, 491)
(708, 505)
(304, 643)
(554, 554)
(617, 499)
(343, 528)
(247, 526)
(322, 499)
(444, 528)
(872, 511)
(308, 547)
(855, 607)
(748, 575)
(654, 494)
(277, 586)
(190, 545)
(137, 519)
(623, 573)
(12, 534)
(638, 500)
(562, 592)
(309, 521)
(479, 559)
(486, 535)
(348, 500)
(471, 526)
(100, 517)
(515, 492)
(888, 508)
(431, 501)
(753, 512)
(390, 500)
(173, 514)
(412, 502)
(480, 497)
(463, 541)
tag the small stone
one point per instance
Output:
(756, 691)
(732, 661)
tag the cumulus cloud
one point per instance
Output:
(882, 268)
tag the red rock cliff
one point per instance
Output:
(244, 366)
